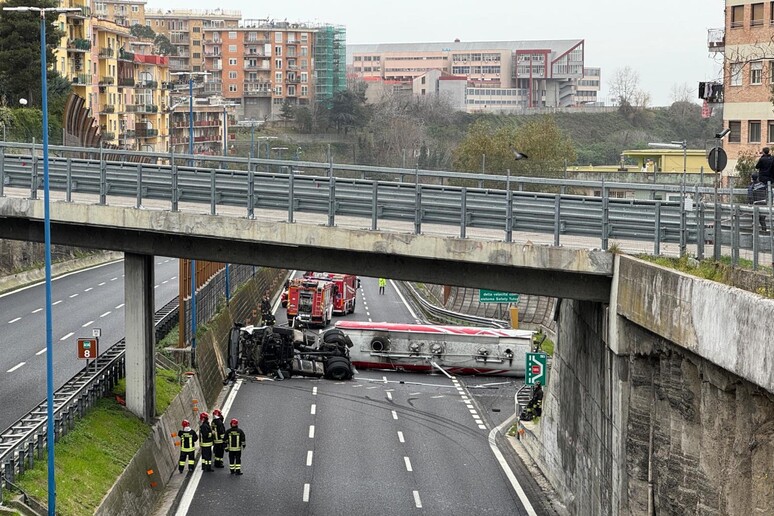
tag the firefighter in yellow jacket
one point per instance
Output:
(188, 440)
(218, 435)
(235, 443)
(205, 441)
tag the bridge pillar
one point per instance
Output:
(140, 335)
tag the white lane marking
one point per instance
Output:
(56, 302)
(88, 289)
(41, 352)
(33, 285)
(394, 415)
(306, 492)
(17, 366)
(400, 437)
(314, 391)
(405, 303)
(414, 393)
(105, 314)
(100, 284)
(408, 463)
(193, 483)
(113, 279)
(503, 464)
(436, 397)
(478, 422)
(73, 295)
(14, 320)
(155, 286)
(173, 277)
(314, 409)
(374, 387)
(165, 282)
(67, 336)
(119, 307)
(417, 500)
(87, 324)
(36, 310)
(473, 412)
(384, 378)
(482, 427)
(309, 456)
(389, 396)
(311, 431)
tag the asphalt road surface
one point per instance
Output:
(385, 443)
(83, 300)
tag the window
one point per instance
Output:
(292, 90)
(736, 74)
(277, 76)
(277, 63)
(278, 51)
(197, 29)
(754, 131)
(735, 136)
(197, 42)
(305, 52)
(231, 61)
(232, 88)
(770, 131)
(756, 19)
(278, 90)
(232, 75)
(135, 8)
(756, 72)
(231, 35)
(304, 37)
(304, 90)
(278, 37)
(771, 72)
(304, 77)
(737, 16)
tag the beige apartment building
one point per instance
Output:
(747, 48)
(500, 76)
(123, 12)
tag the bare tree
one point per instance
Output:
(682, 93)
(625, 86)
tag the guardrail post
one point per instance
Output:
(735, 234)
(34, 178)
(291, 185)
(250, 193)
(417, 204)
(557, 217)
(69, 187)
(331, 200)
(717, 229)
(138, 203)
(508, 208)
(213, 211)
(174, 194)
(102, 177)
(463, 211)
(683, 221)
(657, 230)
(700, 231)
(2, 171)
(605, 215)
(375, 206)
(755, 236)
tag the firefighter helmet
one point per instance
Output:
(217, 413)
(203, 416)
(186, 423)
(234, 422)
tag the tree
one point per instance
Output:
(348, 110)
(143, 31)
(540, 138)
(286, 111)
(625, 87)
(304, 119)
(20, 51)
(163, 46)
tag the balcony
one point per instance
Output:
(147, 133)
(124, 55)
(81, 79)
(126, 82)
(106, 81)
(108, 135)
(107, 109)
(127, 135)
(106, 53)
(147, 84)
(716, 40)
(78, 44)
(293, 79)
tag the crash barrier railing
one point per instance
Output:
(22, 443)
(438, 314)
(709, 216)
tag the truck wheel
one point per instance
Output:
(329, 335)
(338, 368)
(354, 303)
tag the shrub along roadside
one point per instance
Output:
(90, 458)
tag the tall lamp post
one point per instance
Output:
(47, 242)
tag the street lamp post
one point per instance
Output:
(279, 152)
(47, 244)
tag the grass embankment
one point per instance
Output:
(89, 459)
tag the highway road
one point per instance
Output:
(385, 443)
(83, 300)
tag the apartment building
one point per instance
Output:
(123, 89)
(500, 75)
(125, 13)
(746, 44)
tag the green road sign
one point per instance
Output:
(495, 296)
(535, 369)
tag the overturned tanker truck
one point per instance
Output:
(286, 352)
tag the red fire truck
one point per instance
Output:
(344, 290)
(310, 302)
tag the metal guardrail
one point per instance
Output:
(24, 441)
(605, 218)
(436, 313)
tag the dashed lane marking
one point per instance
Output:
(394, 415)
(87, 324)
(17, 366)
(88, 289)
(408, 463)
(119, 307)
(314, 409)
(389, 396)
(417, 500)
(311, 431)
(105, 314)
(100, 284)
(56, 302)
(73, 295)
(41, 352)
(306, 492)
(36, 310)
(309, 456)
(400, 437)
(14, 320)
(314, 391)
(67, 336)
(113, 279)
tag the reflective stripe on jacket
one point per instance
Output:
(188, 439)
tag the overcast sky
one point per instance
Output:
(664, 41)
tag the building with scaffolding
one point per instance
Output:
(330, 61)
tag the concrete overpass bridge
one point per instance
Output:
(651, 365)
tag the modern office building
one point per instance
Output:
(747, 49)
(500, 75)
(587, 90)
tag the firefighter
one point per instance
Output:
(218, 434)
(382, 284)
(188, 440)
(235, 443)
(205, 441)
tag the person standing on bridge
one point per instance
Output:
(218, 434)
(765, 167)
(382, 284)
(235, 443)
(205, 441)
(188, 440)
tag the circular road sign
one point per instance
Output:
(717, 159)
